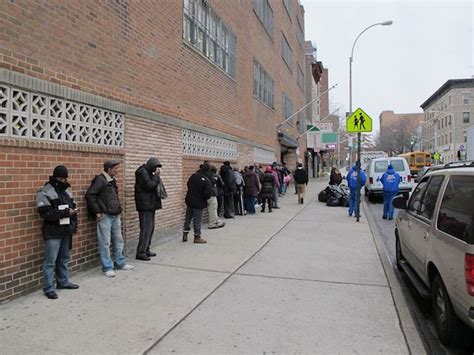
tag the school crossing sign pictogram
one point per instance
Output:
(359, 121)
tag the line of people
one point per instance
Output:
(224, 195)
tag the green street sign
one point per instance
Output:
(359, 121)
(436, 156)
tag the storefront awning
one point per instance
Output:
(287, 141)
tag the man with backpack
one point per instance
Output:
(104, 204)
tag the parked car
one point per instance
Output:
(426, 169)
(434, 240)
(377, 167)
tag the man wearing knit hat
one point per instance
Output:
(103, 202)
(56, 206)
(147, 201)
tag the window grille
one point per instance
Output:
(208, 34)
(300, 78)
(265, 14)
(263, 85)
(286, 52)
(30, 115)
(287, 107)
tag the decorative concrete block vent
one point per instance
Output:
(25, 114)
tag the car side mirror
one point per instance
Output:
(400, 202)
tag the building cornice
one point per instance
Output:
(449, 85)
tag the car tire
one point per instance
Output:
(370, 196)
(448, 326)
(398, 252)
(406, 195)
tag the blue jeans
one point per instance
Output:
(109, 231)
(352, 201)
(56, 255)
(388, 209)
(250, 204)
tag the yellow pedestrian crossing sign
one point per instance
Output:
(359, 121)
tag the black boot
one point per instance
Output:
(185, 236)
(302, 200)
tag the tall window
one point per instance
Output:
(287, 106)
(299, 32)
(206, 32)
(265, 14)
(287, 4)
(263, 85)
(286, 52)
(300, 77)
(465, 99)
(465, 117)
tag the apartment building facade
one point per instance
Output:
(84, 81)
(449, 114)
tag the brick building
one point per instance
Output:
(86, 81)
(397, 131)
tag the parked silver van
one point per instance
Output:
(434, 239)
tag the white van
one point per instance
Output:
(375, 169)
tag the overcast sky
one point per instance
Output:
(395, 67)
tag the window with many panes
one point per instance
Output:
(265, 14)
(263, 85)
(299, 32)
(207, 33)
(286, 52)
(286, 107)
(300, 77)
(287, 4)
(456, 216)
(428, 202)
(466, 117)
(465, 99)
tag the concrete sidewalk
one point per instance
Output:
(303, 279)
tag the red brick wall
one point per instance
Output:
(143, 139)
(24, 168)
(133, 52)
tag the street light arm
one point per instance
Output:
(384, 23)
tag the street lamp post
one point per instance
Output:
(385, 23)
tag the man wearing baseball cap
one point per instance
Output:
(56, 206)
(103, 202)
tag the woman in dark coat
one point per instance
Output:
(268, 182)
(335, 178)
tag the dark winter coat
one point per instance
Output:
(102, 196)
(226, 174)
(252, 185)
(301, 177)
(199, 190)
(217, 183)
(268, 182)
(146, 198)
(54, 194)
(335, 178)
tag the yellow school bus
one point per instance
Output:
(417, 160)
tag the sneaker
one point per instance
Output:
(109, 273)
(127, 267)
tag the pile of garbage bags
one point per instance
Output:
(335, 195)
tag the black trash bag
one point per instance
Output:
(344, 201)
(335, 191)
(322, 196)
(333, 201)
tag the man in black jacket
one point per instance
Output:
(301, 180)
(103, 202)
(56, 206)
(199, 191)
(147, 178)
(229, 189)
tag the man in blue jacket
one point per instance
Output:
(390, 181)
(352, 183)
